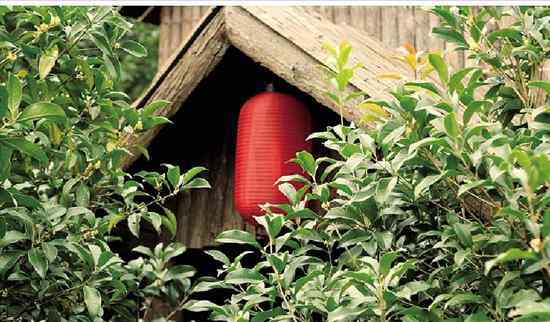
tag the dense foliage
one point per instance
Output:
(139, 71)
(63, 130)
(440, 212)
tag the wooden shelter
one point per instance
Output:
(228, 56)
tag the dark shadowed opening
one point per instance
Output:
(204, 134)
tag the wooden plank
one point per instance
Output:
(270, 49)
(406, 28)
(287, 40)
(342, 15)
(164, 36)
(537, 96)
(390, 32)
(435, 43)
(422, 29)
(327, 12)
(302, 32)
(191, 63)
(357, 18)
(373, 22)
(175, 23)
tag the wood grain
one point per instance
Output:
(287, 41)
(193, 61)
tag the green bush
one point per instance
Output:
(63, 130)
(439, 212)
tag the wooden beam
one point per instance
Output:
(186, 68)
(288, 41)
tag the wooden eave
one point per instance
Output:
(286, 40)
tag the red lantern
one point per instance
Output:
(272, 128)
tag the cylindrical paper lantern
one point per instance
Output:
(272, 128)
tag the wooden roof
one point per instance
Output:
(286, 40)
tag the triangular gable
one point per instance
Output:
(286, 40)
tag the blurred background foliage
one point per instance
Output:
(139, 72)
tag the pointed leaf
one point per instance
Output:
(38, 261)
(47, 61)
(42, 110)
(92, 298)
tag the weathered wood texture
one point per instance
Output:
(394, 26)
(189, 65)
(286, 40)
(175, 26)
(289, 42)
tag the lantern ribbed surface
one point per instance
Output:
(272, 127)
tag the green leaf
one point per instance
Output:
(12, 236)
(450, 35)
(150, 109)
(219, 256)
(3, 227)
(425, 85)
(133, 224)
(82, 195)
(38, 261)
(540, 84)
(243, 276)
(546, 224)
(143, 250)
(440, 66)
(198, 183)
(455, 82)
(237, 237)
(134, 48)
(274, 225)
(92, 298)
(199, 305)
(173, 175)
(15, 94)
(412, 288)
(289, 191)
(112, 65)
(192, 173)
(478, 317)
(169, 221)
(386, 262)
(306, 161)
(26, 147)
(155, 220)
(468, 186)
(345, 313)
(47, 61)
(465, 298)
(403, 156)
(462, 231)
(451, 125)
(509, 33)
(508, 256)
(50, 251)
(460, 256)
(426, 183)
(472, 108)
(42, 110)
(413, 148)
(5, 162)
(384, 188)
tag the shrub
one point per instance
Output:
(438, 212)
(62, 137)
